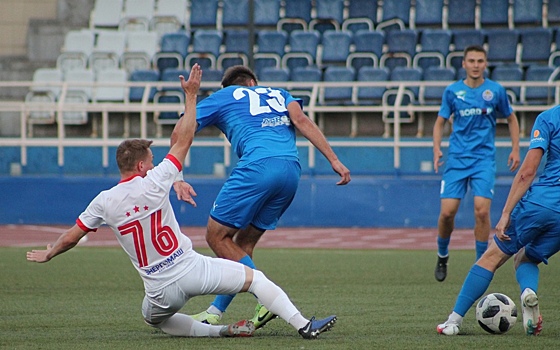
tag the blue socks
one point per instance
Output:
(443, 246)
(527, 275)
(221, 302)
(476, 283)
(480, 248)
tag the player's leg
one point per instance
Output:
(482, 224)
(476, 283)
(446, 224)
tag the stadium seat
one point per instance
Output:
(434, 47)
(306, 74)
(173, 50)
(494, 13)
(536, 45)
(362, 15)
(329, 15)
(270, 49)
(461, 39)
(553, 13)
(169, 16)
(273, 74)
(538, 95)
(211, 75)
(236, 43)
(407, 74)
(428, 13)
(137, 15)
(267, 13)
(368, 48)
(44, 90)
(136, 93)
(401, 47)
(297, 15)
(410, 96)
(395, 13)
(77, 93)
(336, 47)
(78, 45)
(235, 13)
(502, 46)
(461, 14)
(528, 13)
(509, 73)
(432, 95)
(203, 14)
(108, 50)
(371, 95)
(141, 47)
(168, 117)
(106, 14)
(337, 95)
(205, 49)
(106, 92)
(303, 49)
(172, 76)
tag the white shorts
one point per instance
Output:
(208, 276)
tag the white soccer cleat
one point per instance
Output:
(532, 319)
(448, 328)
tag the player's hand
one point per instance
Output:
(341, 170)
(191, 86)
(437, 160)
(513, 161)
(501, 228)
(39, 256)
(185, 192)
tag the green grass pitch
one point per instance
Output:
(90, 298)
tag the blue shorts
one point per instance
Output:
(534, 227)
(462, 172)
(257, 193)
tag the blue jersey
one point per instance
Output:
(545, 134)
(474, 117)
(254, 119)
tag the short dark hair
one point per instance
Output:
(474, 48)
(238, 75)
(130, 152)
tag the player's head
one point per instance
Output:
(135, 156)
(474, 61)
(239, 75)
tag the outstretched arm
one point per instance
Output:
(66, 241)
(311, 131)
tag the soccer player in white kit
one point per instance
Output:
(140, 214)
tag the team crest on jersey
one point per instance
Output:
(487, 95)
(461, 94)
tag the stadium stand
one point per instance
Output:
(271, 46)
(303, 49)
(536, 44)
(335, 47)
(461, 14)
(527, 13)
(502, 46)
(174, 48)
(141, 48)
(368, 48)
(434, 47)
(169, 16)
(106, 14)
(401, 47)
(362, 15)
(78, 46)
(236, 49)
(136, 93)
(428, 13)
(206, 45)
(395, 15)
(109, 47)
(494, 13)
(329, 15)
(137, 15)
(203, 14)
(297, 15)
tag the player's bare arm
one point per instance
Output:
(311, 131)
(514, 159)
(437, 136)
(66, 241)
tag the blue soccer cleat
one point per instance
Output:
(316, 327)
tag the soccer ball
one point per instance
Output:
(496, 313)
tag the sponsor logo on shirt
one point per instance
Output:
(276, 121)
(461, 94)
(487, 95)
(537, 137)
(469, 112)
(170, 261)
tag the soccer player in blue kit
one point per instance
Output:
(474, 104)
(260, 122)
(529, 229)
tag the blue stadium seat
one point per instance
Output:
(235, 13)
(410, 95)
(336, 47)
(553, 13)
(434, 47)
(137, 92)
(461, 13)
(172, 76)
(536, 45)
(371, 95)
(528, 13)
(337, 95)
(401, 47)
(431, 95)
(329, 15)
(297, 15)
(173, 50)
(494, 13)
(303, 49)
(407, 74)
(509, 73)
(203, 14)
(461, 39)
(368, 48)
(205, 49)
(538, 95)
(236, 42)
(274, 74)
(502, 46)
(306, 74)
(395, 13)
(428, 13)
(267, 13)
(362, 15)
(211, 75)
(271, 46)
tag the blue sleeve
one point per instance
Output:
(504, 106)
(446, 104)
(540, 134)
(207, 111)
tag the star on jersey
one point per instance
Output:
(136, 209)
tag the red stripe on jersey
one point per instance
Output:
(84, 227)
(175, 161)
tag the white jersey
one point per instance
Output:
(139, 212)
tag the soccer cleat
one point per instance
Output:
(243, 328)
(208, 318)
(262, 316)
(316, 327)
(441, 268)
(532, 319)
(448, 328)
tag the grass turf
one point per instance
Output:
(90, 298)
